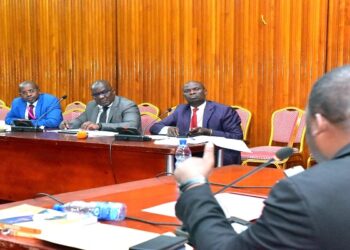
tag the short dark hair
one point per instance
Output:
(23, 84)
(330, 96)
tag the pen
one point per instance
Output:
(14, 229)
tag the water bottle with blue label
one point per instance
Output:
(102, 210)
(183, 152)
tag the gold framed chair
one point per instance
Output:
(76, 105)
(287, 129)
(71, 114)
(310, 161)
(147, 119)
(3, 111)
(148, 107)
(2, 103)
(246, 117)
(172, 109)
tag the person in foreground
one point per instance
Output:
(106, 112)
(307, 211)
(202, 117)
(32, 105)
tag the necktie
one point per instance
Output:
(31, 115)
(103, 115)
(194, 118)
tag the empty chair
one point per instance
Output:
(245, 116)
(148, 107)
(147, 119)
(71, 114)
(3, 111)
(76, 105)
(287, 129)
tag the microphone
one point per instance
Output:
(134, 137)
(49, 110)
(23, 125)
(280, 155)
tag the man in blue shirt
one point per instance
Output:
(32, 105)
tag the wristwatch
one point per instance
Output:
(192, 181)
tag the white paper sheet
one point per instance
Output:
(222, 142)
(241, 206)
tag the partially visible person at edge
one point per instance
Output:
(307, 211)
(107, 111)
(32, 104)
(212, 119)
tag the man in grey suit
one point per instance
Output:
(107, 111)
(307, 211)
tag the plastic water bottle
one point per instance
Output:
(183, 152)
(102, 210)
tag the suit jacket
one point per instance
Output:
(223, 120)
(307, 211)
(45, 102)
(123, 113)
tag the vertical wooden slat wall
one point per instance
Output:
(63, 45)
(262, 55)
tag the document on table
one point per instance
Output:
(241, 206)
(86, 233)
(91, 133)
(222, 142)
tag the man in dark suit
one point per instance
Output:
(107, 111)
(32, 105)
(211, 119)
(307, 211)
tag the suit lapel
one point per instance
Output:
(113, 108)
(208, 112)
(186, 117)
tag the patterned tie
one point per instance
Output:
(194, 118)
(103, 115)
(31, 115)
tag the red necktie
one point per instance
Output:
(194, 118)
(31, 115)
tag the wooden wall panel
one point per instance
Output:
(338, 48)
(262, 55)
(62, 45)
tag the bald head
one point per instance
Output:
(194, 93)
(102, 92)
(330, 97)
(29, 91)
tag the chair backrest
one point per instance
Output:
(75, 105)
(147, 119)
(71, 114)
(3, 111)
(288, 127)
(148, 107)
(2, 103)
(172, 110)
(245, 116)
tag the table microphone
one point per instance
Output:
(49, 110)
(142, 137)
(280, 155)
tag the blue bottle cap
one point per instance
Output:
(183, 141)
(58, 207)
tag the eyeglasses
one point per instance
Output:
(103, 93)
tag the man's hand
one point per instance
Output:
(173, 131)
(64, 125)
(200, 131)
(90, 126)
(194, 167)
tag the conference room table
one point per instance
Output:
(52, 162)
(142, 194)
